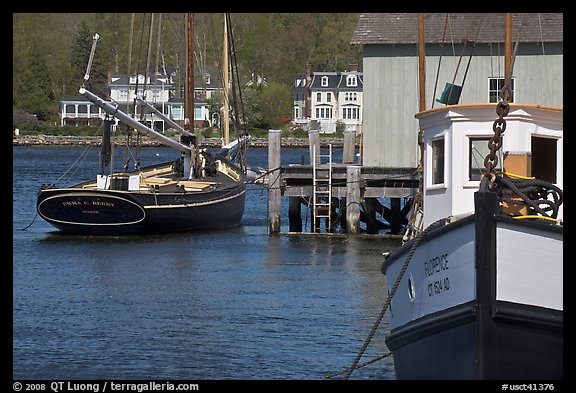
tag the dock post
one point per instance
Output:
(349, 147)
(353, 198)
(314, 141)
(295, 214)
(274, 195)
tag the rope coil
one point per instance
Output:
(541, 197)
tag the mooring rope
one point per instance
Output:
(415, 244)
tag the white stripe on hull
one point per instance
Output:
(529, 266)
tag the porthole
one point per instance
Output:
(411, 290)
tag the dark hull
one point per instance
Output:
(480, 326)
(75, 210)
(520, 343)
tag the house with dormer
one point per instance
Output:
(161, 91)
(322, 99)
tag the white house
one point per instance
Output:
(321, 99)
(157, 90)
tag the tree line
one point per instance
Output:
(51, 51)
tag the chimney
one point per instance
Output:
(307, 104)
(353, 67)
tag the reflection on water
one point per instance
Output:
(233, 304)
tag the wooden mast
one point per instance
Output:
(508, 56)
(415, 219)
(226, 115)
(189, 99)
(189, 92)
(421, 62)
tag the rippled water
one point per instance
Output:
(233, 304)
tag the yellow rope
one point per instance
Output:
(535, 216)
(509, 174)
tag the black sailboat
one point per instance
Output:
(198, 190)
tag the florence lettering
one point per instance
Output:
(436, 265)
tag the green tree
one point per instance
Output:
(275, 102)
(33, 92)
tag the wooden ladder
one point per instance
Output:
(322, 196)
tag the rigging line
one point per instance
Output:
(440, 59)
(403, 269)
(472, 51)
(507, 88)
(130, 39)
(544, 57)
(148, 54)
(451, 38)
(137, 71)
(217, 55)
(158, 41)
(76, 164)
(238, 101)
(516, 46)
(32, 222)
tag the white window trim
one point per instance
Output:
(429, 184)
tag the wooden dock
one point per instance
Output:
(338, 196)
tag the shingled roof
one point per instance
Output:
(402, 28)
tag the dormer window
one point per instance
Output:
(351, 81)
(324, 81)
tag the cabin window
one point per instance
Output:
(544, 158)
(495, 85)
(477, 152)
(438, 161)
(324, 81)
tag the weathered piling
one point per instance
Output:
(274, 192)
(314, 140)
(353, 195)
(349, 147)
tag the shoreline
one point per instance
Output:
(68, 140)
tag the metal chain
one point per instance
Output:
(495, 142)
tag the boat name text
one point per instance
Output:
(434, 266)
(88, 203)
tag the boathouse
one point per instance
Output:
(463, 63)
(462, 49)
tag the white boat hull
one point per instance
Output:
(481, 298)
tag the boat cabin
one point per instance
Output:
(456, 144)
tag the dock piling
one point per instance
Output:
(353, 199)
(274, 192)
